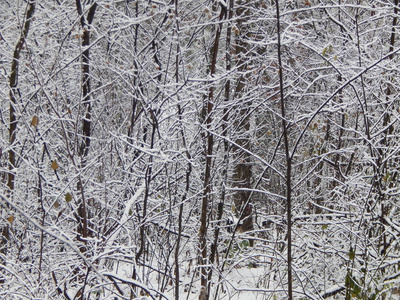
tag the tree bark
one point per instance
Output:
(13, 117)
(86, 23)
(382, 167)
(204, 293)
(288, 160)
(242, 171)
(14, 90)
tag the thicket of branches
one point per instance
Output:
(158, 148)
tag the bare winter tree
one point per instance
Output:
(199, 149)
(13, 121)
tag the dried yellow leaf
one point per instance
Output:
(54, 165)
(35, 121)
(68, 197)
(10, 219)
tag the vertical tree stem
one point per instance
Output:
(288, 160)
(87, 119)
(13, 117)
(204, 294)
(13, 91)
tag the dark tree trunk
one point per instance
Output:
(288, 160)
(13, 117)
(86, 23)
(204, 293)
(242, 172)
